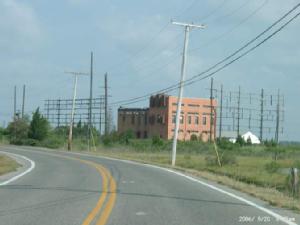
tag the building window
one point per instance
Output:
(145, 134)
(124, 118)
(181, 119)
(159, 119)
(138, 134)
(174, 119)
(152, 119)
(204, 120)
(139, 119)
(146, 119)
(193, 105)
(196, 120)
(132, 118)
(190, 119)
(182, 104)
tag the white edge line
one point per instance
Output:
(275, 215)
(32, 166)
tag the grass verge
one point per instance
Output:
(7, 165)
(236, 178)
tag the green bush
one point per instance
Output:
(107, 140)
(157, 141)
(53, 142)
(272, 167)
(126, 136)
(39, 126)
(194, 137)
(227, 159)
(225, 144)
(240, 141)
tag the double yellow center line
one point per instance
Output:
(108, 187)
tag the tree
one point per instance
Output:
(194, 137)
(18, 130)
(240, 140)
(39, 126)
(249, 142)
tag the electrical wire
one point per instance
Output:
(214, 40)
(192, 79)
(148, 43)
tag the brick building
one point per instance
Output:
(159, 118)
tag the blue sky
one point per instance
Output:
(41, 39)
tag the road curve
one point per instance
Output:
(63, 190)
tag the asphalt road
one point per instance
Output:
(71, 189)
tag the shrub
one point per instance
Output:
(53, 141)
(126, 136)
(240, 140)
(194, 137)
(107, 140)
(249, 142)
(227, 159)
(224, 143)
(272, 167)
(157, 141)
(39, 126)
(18, 130)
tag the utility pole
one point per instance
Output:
(100, 117)
(58, 113)
(221, 112)
(238, 113)
(15, 103)
(76, 74)
(261, 127)
(15, 112)
(90, 104)
(277, 118)
(23, 102)
(105, 105)
(211, 109)
(187, 28)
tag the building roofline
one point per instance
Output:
(132, 109)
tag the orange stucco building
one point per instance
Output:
(159, 118)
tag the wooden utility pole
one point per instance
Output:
(211, 109)
(105, 105)
(15, 102)
(277, 118)
(70, 137)
(15, 112)
(90, 102)
(23, 101)
(261, 127)
(238, 112)
(221, 112)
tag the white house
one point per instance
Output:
(254, 139)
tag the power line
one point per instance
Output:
(232, 12)
(214, 40)
(212, 12)
(192, 79)
(150, 41)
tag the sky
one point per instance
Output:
(136, 44)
